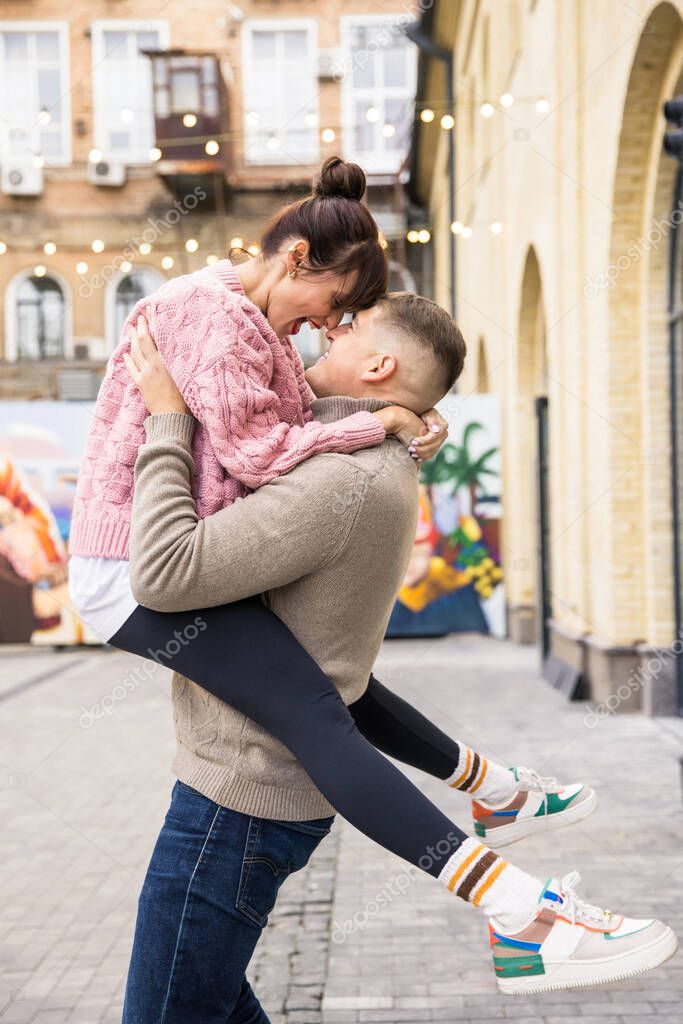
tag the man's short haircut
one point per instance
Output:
(430, 327)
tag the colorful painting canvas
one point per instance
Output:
(454, 582)
(41, 444)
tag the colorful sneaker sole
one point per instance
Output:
(516, 830)
(584, 973)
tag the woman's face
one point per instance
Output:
(316, 296)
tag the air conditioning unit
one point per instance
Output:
(107, 172)
(331, 64)
(20, 178)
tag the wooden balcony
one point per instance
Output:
(190, 111)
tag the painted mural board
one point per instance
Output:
(454, 582)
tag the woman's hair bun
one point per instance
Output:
(339, 178)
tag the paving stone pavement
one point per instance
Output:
(82, 800)
(412, 952)
(81, 803)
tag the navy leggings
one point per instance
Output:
(246, 656)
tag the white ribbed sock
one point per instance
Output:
(475, 774)
(481, 877)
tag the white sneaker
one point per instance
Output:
(540, 804)
(571, 944)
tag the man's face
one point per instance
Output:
(350, 352)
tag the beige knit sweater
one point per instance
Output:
(327, 544)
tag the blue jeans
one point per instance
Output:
(213, 879)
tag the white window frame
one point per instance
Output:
(11, 298)
(97, 30)
(376, 162)
(62, 30)
(253, 154)
(111, 337)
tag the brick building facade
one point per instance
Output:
(135, 146)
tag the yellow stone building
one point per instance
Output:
(562, 216)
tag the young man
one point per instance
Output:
(327, 544)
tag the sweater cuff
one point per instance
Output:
(373, 431)
(171, 426)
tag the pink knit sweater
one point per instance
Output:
(244, 385)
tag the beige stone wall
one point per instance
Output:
(575, 187)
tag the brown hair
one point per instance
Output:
(429, 326)
(341, 233)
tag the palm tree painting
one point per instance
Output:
(454, 574)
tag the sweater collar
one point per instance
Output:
(328, 410)
(225, 272)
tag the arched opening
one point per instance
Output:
(37, 318)
(123, 293)
(638, 361)
(528, 571)
(483, 385)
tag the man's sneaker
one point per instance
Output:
(539, 804)
(571, 944)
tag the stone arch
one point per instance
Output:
(522, 570)
(637, 357)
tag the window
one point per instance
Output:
(122, 86)
(280, 91)
(35, 112)
(378, 92)
(40, 319)
(129, 290)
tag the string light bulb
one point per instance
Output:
(456, 227)
(496, 228)
(388, 130)
(542, 106)
(167, 262)
(126, 267)
(94, 156)
(189, 120)
(328, 135)
(155, 153)
(466, 231)
(211, 147)
(211, 259)
(97, 245)
(38, 160)
(49, 248)
(81, 267)
(423, 236)
(507, 99)
(413, 236)
(3, 248)
(447, 122)
(487, 110)
(237, 242)
(254, 249)
(372, 114)
(191, 245)
(427, 115)
(144, 248)
(40, 270)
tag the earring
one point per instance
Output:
(291, 273)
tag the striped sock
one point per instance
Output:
(474, 773)
(481, 877)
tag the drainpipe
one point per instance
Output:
(426, 44)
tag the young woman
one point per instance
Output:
(223, 335)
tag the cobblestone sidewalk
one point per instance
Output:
(82, 799)
(81, 802)
(422, 954)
